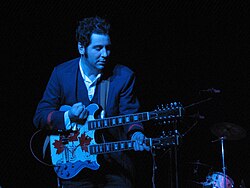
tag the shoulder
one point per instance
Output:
(123, 70)
(68, 65)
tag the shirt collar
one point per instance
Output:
(86, 78)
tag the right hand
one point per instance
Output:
(78, 113)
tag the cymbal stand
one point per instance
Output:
(223, 158)
(223, 161)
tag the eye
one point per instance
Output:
(98, 48)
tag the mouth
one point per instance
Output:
(102, 62)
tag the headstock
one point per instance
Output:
(165, 141)
(168, 113)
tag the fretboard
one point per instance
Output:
(113, 147)
(118, 120)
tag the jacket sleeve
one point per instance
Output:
(129, 104)
(47, 114)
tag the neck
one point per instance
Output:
(90, 72)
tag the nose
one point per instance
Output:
(105, 52)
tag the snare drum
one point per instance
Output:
(216, 180)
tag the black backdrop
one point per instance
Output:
(176, 49)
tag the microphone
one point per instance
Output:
(210, 91)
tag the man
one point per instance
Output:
(80, 82)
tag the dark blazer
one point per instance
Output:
(66, 87)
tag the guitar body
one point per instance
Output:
(70, 153)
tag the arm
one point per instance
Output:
(47, 114)
(130, 104)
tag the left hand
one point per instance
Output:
(139, 144)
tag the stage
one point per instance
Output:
(180, 52)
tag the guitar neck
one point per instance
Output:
(118, 120)
(111, 147)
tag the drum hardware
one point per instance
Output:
(218, 180)
(199, 172)
(226, 131)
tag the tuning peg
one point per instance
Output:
(163, 133)
(163, 107)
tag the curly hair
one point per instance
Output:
(87, 26)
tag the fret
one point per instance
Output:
(113, 121)
(141, 117)
(90, 125)
(92, 149)
(108, 147)
(127, 119)
(105, 122)
(97, 149)
(135, 117)
(98, 124)
(115, 146)
(122, 145)
(100, 149)
(145, 116)
(130, 145)
(120, 120)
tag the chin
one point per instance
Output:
(100, 67)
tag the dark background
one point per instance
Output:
(176, 49)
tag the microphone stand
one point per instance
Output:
(174, 159)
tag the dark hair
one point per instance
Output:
(87, 26)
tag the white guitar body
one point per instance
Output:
(75, 155)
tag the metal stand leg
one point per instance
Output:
(174, 163)
(223, 161)
(58, 183)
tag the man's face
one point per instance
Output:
(98, 52)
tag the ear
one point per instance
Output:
(81, 48)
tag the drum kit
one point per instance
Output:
(224, 131)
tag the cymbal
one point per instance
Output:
(229, 131)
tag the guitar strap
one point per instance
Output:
(104, 90)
